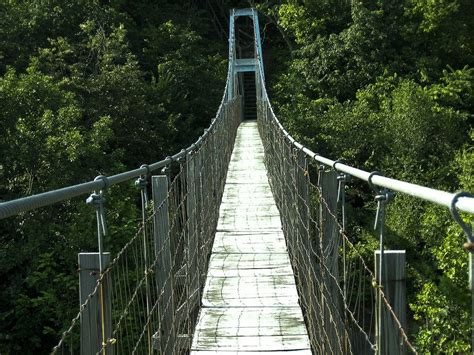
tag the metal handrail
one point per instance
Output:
(442, 198)
(24, 204)
(439, 197)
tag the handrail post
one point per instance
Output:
(89, 274)
(330, 242)
(198, 198)
(304, 244)
(393, 286)
(142, 183)
(192, 253)
(164, 266)
(471, 287)
(231, 56)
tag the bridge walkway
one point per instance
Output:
(249, 303)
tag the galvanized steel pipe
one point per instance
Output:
(439, 197)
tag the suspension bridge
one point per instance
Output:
(242, 245)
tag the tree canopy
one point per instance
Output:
(388, 86)
(91, 87)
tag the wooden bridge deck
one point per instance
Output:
(249, 303)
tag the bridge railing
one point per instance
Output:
(147, 296)
(348, 307)
(335, 284)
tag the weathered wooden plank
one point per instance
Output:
(247, 189)
(264, 321)
(242, 193)
(240, 176)
(241, 157)
(251, 291)
(251, 210)
(192, 251)
(394, 289)
(240, 265)
(248, 222)
(283, 352)
(252, 343)
(333, 321)
(241, 242)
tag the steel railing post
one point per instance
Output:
(166, 336)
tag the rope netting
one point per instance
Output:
(147, 298)
(337, 289)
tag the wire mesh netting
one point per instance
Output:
(337, 289)
(147, 298)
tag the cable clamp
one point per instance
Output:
(469, 245)
(337, 161)
(341, 184)
(97, 200)
(141, 182)
(376, 284)
(385, 196)
(382, 197)
(110, 341)
(342, 179)
(104, 179)
(182, 157)
(166, 170)
(148, 170)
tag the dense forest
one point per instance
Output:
(91, 87)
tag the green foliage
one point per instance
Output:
(465, 164)
(446, 323)
(42, 132)
(455, 89)
(388, 86)
(87, 88)
(440, 33)
(90, 87)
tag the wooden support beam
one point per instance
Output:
(192, 251)
(91, 317)
(164, 266)
(394, 288)
(330, 242)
